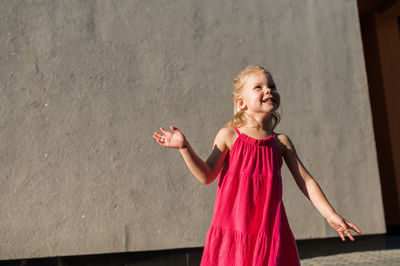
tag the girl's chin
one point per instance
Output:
(271, 105)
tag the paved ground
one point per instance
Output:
(378, 257)
(389, 257)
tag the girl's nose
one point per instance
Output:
(266, 90)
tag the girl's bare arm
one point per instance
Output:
(303, 178)
(204, 171)
(313, 191)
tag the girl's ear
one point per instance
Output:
(240, 103)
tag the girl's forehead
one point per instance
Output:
(259, 76)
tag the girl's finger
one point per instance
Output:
(342, 236)
(159, 138)
(354, 227)
(159, 141)
(159, 135)
(163, 130)
(349, 235)
(174, 128)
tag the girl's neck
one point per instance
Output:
(258, 129)
(260, 124)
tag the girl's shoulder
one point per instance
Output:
(227, 131)
(284, 142)
(283, 138)
(280, 135)
(228, 135)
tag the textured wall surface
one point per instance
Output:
(84, 84)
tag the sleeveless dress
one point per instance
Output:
(249, 225)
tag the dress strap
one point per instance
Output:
(237, 131)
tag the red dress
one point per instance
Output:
(249, 225)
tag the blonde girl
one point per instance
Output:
(249, 224)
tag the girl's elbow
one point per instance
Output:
(203, 179)
(208, 179)
(205, 182)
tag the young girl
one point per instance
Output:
(249, 224)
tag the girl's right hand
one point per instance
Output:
(176, 139)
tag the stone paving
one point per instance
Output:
(388, 257)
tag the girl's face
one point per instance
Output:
(259, 94)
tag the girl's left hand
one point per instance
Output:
(341, 225)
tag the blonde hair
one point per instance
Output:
(239, 118)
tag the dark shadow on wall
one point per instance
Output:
(372, 27)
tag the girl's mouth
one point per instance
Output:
(270, 101)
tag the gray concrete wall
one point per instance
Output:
(84, 84)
